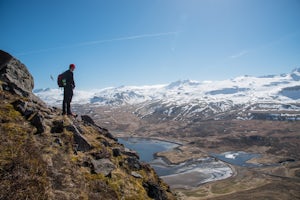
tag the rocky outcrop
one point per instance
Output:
(103, 166)
(44, 155)
(88, 120)
(15, 75)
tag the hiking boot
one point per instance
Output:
(72, 115)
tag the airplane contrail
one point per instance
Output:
(129, 38)
(134, 37)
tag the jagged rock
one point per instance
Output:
(109, 135)
(57, 126)
(20, 106)
(87, 119)
(35, 116)
(130, 153)
(38, 121)
(15, 76)
(133, 163)
(154, 191)
(23, 108)
(81, 142)
(116, 152)
(103, 166)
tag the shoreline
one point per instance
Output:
(194, 178)
(190, 173)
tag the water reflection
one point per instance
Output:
(238, 158)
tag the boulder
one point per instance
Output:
(87, 119)
(81, 142)
(15, 76)
(154, 190)
(103, 166)
(57, 126)
(133, 163)
(23, 108)
(38, 121)
(116, 152)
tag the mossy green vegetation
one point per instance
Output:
(48, 165)
(22, 170)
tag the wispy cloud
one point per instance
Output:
(240, 54)
(133, 37)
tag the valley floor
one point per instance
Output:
(277, 141)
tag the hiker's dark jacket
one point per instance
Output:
(68, 91)
(70, 84)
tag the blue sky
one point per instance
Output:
(145, 42)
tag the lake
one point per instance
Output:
(188, 174)
(147, 147)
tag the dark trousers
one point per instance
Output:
(68, 94)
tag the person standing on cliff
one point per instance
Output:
(69, 86)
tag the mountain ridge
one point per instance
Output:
(189, 100)
(181, 88)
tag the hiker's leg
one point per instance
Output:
(64, 103)
(64, 108)
(69, 107)
(68, 101)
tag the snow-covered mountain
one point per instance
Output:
(185, 99)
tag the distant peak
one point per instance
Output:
(296, 74)
(181, 83)
(296, 70)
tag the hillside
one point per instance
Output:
(44, 155)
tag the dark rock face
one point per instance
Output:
(116, 152)
(31, 113)
(15, 76)
(154, 191)
(133, 163)
(38, 121)
(23, 108)
(79, 139)
(87, 119)
(57, 126)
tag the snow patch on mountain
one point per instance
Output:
(240, 90)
